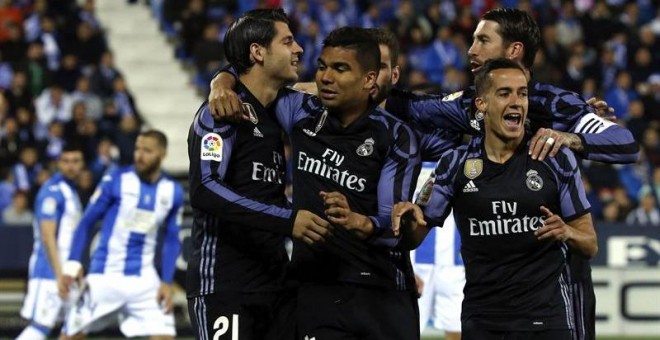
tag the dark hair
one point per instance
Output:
(516, 25)
(158, 135)
(386, 37)
(254, 27)
(359, 40)
(72, 147)
(483, 80)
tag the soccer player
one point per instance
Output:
(339, 139)
(360, 160)
(136, 203)
(237, 191)
(514, 245)
(57, 213)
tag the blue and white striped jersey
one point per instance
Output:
(57, 200)
(133, 213)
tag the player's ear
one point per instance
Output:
(257, 53)
(370, 80)
(516, 51)
(396, 74)
(480, 104)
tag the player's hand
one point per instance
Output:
(602, 109)
(406, 215)
(164, 297)
(547, 142)
(311, 228)
(224, 103)
(553, 227)
(339, 212)
(63, 286)
(419, 285)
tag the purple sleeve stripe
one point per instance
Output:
(246, 203)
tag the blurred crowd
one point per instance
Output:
(58, 84)
(607, 48)
(58, 81)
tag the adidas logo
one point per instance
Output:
(470, 187)
(257, 133)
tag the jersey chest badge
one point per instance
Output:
(534, 181)
(367, 148)
(473, 168)
(251, 113)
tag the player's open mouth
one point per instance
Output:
(475, 66)
(512, 119)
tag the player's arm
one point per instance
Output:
(100, 202)
(408, 221)
(576, 125)
(308, 87)
(170, 250)
(49, 212)
(578, 231)
(224, 103)
(450, 112)
(433, 203)
(209, 191)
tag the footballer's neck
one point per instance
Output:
(262, 87)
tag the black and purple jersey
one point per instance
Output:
(549, 107)
(374, 162)
(514, 282)
(241, 214)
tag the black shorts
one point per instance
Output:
(480, 334)
(263, 316)
(343, 312)
(584, 309)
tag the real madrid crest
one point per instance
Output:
(473, 168)
(534, 181)
(367, 148)
(252, 114)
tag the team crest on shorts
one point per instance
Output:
(211, 147)
(473, 168)
(367, 148)
(534, 181)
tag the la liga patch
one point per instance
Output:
(211, 149)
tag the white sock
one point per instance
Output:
(32, 333)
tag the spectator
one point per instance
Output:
(621, 94)
(18, 95)
(81, 130)
(48, 37)
(104, 74)
(569, 30)
(193, 21)
(18, 214)
(26, 171)
(123, 99)
(106, 159)
(53, 104)
(36, 68)
(7, 187)
(67, 75)
(208, 56)
(83, 93)
(647, 214)
(87, 45)
(6, 73)
(10, 141)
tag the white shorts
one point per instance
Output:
(442, 296)
(42, 304)
(130, 300)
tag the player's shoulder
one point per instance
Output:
(550, 93)
(390, 124)
(52, 187)
(565, 163)
(452, 159)
(308, 100)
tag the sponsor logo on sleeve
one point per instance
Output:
(211, 147)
